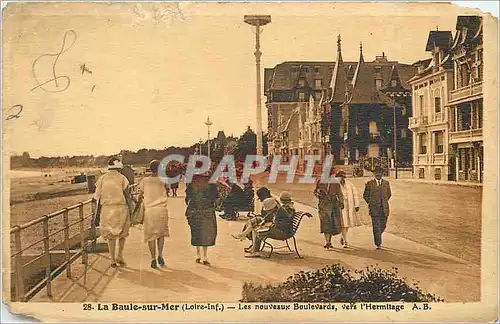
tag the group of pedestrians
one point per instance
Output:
(338, 209)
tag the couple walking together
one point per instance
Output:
(115, 208)
(338, 207)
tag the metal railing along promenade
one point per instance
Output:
(31, 273)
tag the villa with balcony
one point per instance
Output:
(429, 123)
(465, 100)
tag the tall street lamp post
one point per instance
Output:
(258, 21)
(395, 136)
(208, 123)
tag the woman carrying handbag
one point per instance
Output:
(152, 212)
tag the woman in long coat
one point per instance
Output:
(350, 216)
(330, 204)
(114, 200)
(200, 212)
(155, 225)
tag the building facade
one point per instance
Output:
(429, 123)
(465, 102)
(294, 92)
(366, 110)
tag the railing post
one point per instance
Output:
(93, 233)
(19, 265)
(82, 234)
(66, 242)
(46, 247)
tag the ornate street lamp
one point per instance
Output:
(208, 123)
(258, 21)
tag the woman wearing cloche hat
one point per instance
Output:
(114, 199)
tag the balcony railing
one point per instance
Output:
(422, 159)
(467, 91)
(466, 135)
(438, 117)
(418, 121)
(438, 158)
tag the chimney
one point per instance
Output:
(382, 58)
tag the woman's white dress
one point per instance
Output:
(350, 218)
(155, 199)
(115, 218)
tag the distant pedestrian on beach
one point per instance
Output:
(200, 212)
(155, 226)
(377, 194)
(350, 216)
(112, 194)
(330, 205)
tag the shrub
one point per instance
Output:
(336, 284)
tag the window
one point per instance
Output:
(302, 96)
(437, 104)
(317, 95)
(378, 69)
(403, 110)
(421, 105)
(302, 83)
(439, 139)
(373, 127)
(316, 69)
(423, 143)
(378, 83)
(404, 133)
(318, 83)
(394, 83)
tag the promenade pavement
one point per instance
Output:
(449, 277)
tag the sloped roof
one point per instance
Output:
(285, 75)
(364, 90)
(441, 39)
(339, 78)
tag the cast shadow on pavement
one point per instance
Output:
(170, 279)
(309, 261)
(235, 274)
(406, 258)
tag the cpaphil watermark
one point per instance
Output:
(234, 172)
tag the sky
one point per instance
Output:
(154, 80)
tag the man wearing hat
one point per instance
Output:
(377, 194)
(114, 200)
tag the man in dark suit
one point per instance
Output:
(377, 194)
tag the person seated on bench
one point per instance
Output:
(286, 202)
(262, 194)
(281, 226)
(231, 202)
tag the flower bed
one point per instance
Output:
(336, 284)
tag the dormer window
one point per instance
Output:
(394, 83)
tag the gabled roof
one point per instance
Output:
(339, 77)
(468, 28)
(441, 39)
(364, 90)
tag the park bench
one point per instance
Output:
(297, 218)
